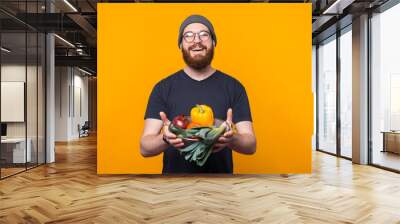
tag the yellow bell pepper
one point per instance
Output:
(202, 115)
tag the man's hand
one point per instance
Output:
(169, 136)
(227, 137)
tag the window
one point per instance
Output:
(22, 78)
(385, 88)
(346, 93)
(327, 95)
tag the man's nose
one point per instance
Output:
(197, 38)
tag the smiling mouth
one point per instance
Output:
(198, 49)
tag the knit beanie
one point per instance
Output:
(196, 19)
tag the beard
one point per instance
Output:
(198, 62)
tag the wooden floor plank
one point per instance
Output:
(70, 191)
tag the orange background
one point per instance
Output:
(265, 46)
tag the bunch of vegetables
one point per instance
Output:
(199, 131)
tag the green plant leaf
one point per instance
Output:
(190, 147)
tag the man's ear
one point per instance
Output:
(214, 43)
(180, 46)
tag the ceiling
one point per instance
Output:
(72, 20)
(329, 16)
(76, 22)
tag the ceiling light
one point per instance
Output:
(5, 50)
(70, 5)
(337, 7)
(64, 40)
(84, 71)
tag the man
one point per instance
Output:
(197, 83)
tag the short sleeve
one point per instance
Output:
(241, 106)
(156, 103)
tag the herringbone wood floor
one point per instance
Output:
(69, 191)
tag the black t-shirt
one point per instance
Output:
(179, 93)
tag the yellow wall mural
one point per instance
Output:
(267, 47)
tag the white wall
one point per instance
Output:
(62, 78)
(71, 93)
(33, 127)
(81, 84)
(12, 73)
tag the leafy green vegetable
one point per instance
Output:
(198, 151)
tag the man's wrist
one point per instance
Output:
(233, 141)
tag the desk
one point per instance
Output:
(391, 141)
(15, 148)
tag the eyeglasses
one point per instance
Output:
(190, 36)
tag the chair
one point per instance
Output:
(84, 130)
